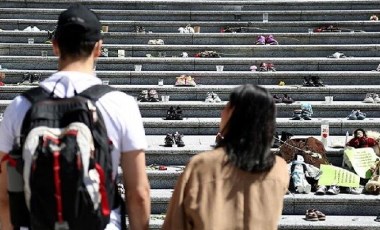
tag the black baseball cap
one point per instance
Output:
(79, 23)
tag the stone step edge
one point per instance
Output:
(299, 222)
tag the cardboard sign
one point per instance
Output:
(361, 160)
(332, 175)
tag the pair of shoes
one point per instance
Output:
(176, 138)
(328, 28)
(139, 29)
(284, 99)
(331, 190)
(314, 215)
(29, 78)
(148, 96)
(208, 54)
(31, 29)
(230, 29)
(356, 115)
(265, 67)
(301, 114)
(268, 40)
(337, 55)
(352, 190)
(187, 30)
(185, 80)
(174, 114)
(314, 81)
(212, 97)
(371, 98)
(156, 42)
(374, 18)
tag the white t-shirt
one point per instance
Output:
(120, 113)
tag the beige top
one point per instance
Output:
(213, 194)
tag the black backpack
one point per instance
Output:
(60, 171)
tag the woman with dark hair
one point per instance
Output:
(240, 184)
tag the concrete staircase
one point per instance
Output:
(300, 54)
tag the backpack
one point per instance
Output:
(311, 149)
(60, 172)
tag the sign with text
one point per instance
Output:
(332, 175)
(361, 160)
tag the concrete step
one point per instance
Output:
(293, 222)
(198, 93)
(297, 204)
(200, 109)
(174, 38)
(206, 26)
(234, 5)
(209, 126)
(13, 76)
(200, 15)
(23, 49)
(202, 64)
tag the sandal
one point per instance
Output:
(311, 215)
(321, 215)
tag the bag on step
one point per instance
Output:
(60, 172)
(311, 149)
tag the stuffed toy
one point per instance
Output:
(373, 185)
(299, 170)
(361, 140)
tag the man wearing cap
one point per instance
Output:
(78, 43)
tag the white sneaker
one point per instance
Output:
(369, 98)
(28, 29)
(216, 98)
(35, 29)
(376, 98)
(209, 98)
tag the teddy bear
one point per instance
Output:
(373, 185)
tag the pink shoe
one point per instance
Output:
(260, 40)
(270, 40)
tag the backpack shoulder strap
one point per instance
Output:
(96, 91)
(36, 94)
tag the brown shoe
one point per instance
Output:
(321, 215)
(311, 215)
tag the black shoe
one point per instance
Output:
(287, 99)
(296, 114)
(285, 136)
(305, 114)
(178, 113)
(317, 81)
(26, 79)
(178, 139)
(308, 82)
(169, 140)
(277, 99)
(170, 114)
(143, 97)
(35, 78)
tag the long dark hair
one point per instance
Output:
(248, 134)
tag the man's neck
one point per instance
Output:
(80, 65)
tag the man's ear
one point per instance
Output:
(56, 48)
(97, 49)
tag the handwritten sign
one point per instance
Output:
(361, 160)
(332, 175)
